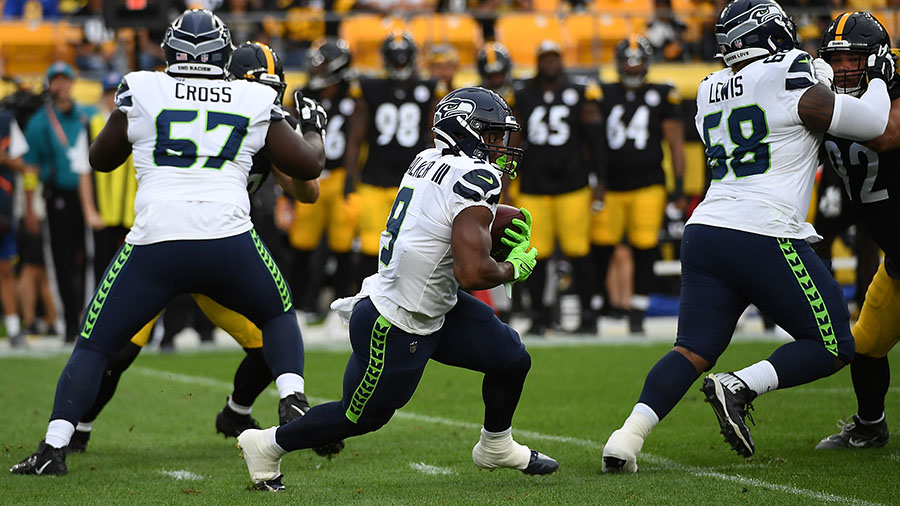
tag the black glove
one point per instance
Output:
(311, 114)
(881, 65)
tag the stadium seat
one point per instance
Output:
(522, 33)
(28, 48)
(610, 29)
(365, 33)
(545, 6)
(694, 14)
(643, 8)
(459, 30)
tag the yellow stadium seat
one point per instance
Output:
(545, 6)
(582, 30)
(28, 48)
(365, 34)
(522, 33)
(459, 30)
(624, 7)
(610, 29)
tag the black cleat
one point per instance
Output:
(293, 407)
(78, 443)
(46, 460)
(857, 435)
(730, 399)
(540, 464)
(273, 485)
(231, 424)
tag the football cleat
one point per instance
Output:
(292, 407)
(46, 460)
(620, 452)
(262, 456)
(78, 443)
(275, 485)
(231, 424)
(857, 435)
(540, 464)
(730, 399)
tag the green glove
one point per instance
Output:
(523, 260)
(516, 238)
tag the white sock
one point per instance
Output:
(502, 450)
(237, 408)
(759, 377)
(641, 420)
(84, 427)
(13, 325)
(873, 422)
(277, 447)
(288, 383)
(59, 433)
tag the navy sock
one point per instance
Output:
(871, 379)
(667, 382)
(110, 380)
(251, 377)
(282, 345)
(500, 391)
(321, 425)
(802, 361)
(78, 384)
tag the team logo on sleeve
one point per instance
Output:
(454, 107)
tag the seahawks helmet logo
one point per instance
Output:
(454, 107)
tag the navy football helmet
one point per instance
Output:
(748, 29)
(329, 63)
(857, 32)
(255, 61)
(399, 53)
(197, 44)
(633, 60)
(476, 122)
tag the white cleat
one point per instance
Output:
(262, 455)
(620, 452)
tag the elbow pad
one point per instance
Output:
(863, 118)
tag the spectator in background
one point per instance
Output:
(665, 31)
(12, 147)
(443, 62)
(57, 137)
(16, 9)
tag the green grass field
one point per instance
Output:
(156, 443)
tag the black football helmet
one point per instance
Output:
(633, 60)
(197, 44)
(857, 32)
(399, 53)
(329, 63)
(748, 29)
(255, 61)
(470, 121)
(493, 58)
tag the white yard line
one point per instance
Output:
(432, 470)
(181, 474)
(525, 434)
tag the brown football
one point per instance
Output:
(502, 219)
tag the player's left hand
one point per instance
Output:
(882, 64)
(312, 116)
(824, 72)
(523, 236)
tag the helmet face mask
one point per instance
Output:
(633, 60)
(847, 44)
(399, 54)
(255, 61)
(197, 44)
(328, 63)
(749, 29)
(477, 122)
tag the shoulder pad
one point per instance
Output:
(672, 94)
(355, 90)
(479, 185)
(800, 74)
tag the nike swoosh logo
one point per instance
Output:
(856, 443)
(805, 60)
(41, 469)
(298, 410)
(488, 180)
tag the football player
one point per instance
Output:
(436, 242)
(193, 135)
(562, 132)
(252, 61)
(761, 119)
(443, 62)
(868, 173)
(639, 116)
(392, 115)
(495, 69)
(330, 82)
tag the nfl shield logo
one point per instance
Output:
(204, 58)
(180, 56)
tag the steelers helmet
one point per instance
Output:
(328, 62)
(493, 58)
(399, 53)
(633, 60)
(255, 61)
(857, 32)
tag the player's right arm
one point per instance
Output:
(111, 147)
(890, 139)
(298, 156)
(359, 128)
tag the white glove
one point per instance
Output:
(824, 72)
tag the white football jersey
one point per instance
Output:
(762, 157)
(415, 285)
(193, 141)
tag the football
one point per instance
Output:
(502, 219)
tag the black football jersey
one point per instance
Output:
(872, 182)
(552, 135)
(399, 126)
(339, 108)
(633, 124)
